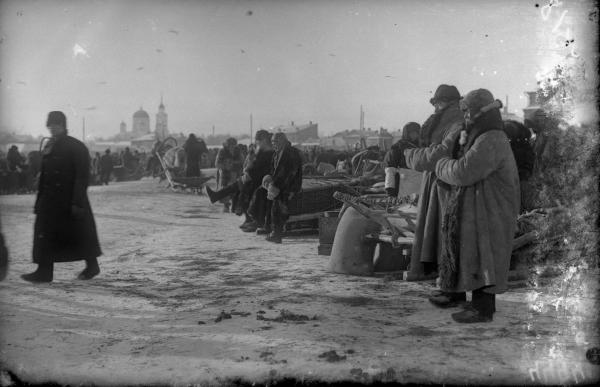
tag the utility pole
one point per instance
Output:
(362, 118)
(251, 128)
(213, 131)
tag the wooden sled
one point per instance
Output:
(178, 184)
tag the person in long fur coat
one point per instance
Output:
(444, 123)
(480, 219)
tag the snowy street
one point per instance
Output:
(185, 297)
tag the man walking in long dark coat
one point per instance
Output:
(65, 229)
(106, 167)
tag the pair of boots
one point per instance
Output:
(271, 235)
(482, 308)
(45, 272)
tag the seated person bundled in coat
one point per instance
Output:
(281, 185)
(244, 187)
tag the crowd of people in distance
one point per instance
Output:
(18, 171)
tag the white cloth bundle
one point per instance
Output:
(390, 177)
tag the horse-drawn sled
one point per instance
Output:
(171, 167)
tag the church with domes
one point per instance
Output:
(141, 125)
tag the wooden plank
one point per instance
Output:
(524, 239)
(302, 217)
(388, 238)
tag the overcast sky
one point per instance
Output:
(216, 62)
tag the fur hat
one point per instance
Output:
(263, 135)
(445, 93)
(411, 127)
(56, 118)
(476, 99)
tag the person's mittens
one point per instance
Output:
(272, 192)
(268, 179)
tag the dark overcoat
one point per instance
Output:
(64, 229)
(287, 170)
(432, 201)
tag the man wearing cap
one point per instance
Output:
(65, 229)
(282, 184)
(445, 122)
(411, 133)
(480, 218)
(245, 187)
(106, 167)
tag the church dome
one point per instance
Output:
(141, 114)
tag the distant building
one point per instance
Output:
(144, 143)
(532, 107)
(123, 128)
(334, 142)
(506, 115)
(141, 123)
(162, 129)
(381, 139)
(298, 134)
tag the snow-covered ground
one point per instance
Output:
(185, 297)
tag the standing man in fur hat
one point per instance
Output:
(65, 229)
(444, 122)
(480, 219)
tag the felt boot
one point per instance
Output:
(44, 273)
(215, 196)
(91, 270)
(483, 306)
(448, 300)
(263, 231)
(274, 237)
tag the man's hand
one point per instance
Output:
(266, 181)
(272, 192)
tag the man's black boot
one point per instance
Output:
(215, 196)
(274, 237)
(91, 270)
(483, 306)
(44, 273)
(263, 231)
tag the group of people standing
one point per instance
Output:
(468, 203)
(267, 180)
